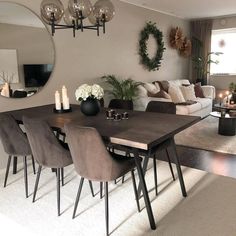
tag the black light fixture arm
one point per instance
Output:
(77, 24)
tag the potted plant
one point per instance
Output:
(232, 89)
(124, 91)
(202, 62)
(202, 66)
(89, 97)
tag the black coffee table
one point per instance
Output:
(227, 123)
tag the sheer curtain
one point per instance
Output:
(201, 35)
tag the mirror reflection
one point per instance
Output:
(26, 52)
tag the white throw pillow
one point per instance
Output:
(176, 94)
(142, 92)
(151, 88)
(158, 87)
(188, 92)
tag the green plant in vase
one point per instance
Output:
(232, 89)
(202, 62)
(124, 91)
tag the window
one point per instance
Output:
(224, 41)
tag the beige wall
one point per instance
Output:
(33, 45)
(87, 57)
(222, 82)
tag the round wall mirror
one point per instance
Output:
(26, 52)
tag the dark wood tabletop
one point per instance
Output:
(142, 130)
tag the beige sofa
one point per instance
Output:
(202, 107)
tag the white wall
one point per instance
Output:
(222, 82)
(87, 57)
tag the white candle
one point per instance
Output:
(64, 92)
(66, 103)
(57, 100)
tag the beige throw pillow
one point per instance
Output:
(151, 88)
(188, 92)
(176, 94)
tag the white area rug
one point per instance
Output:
(204, 135)
(209, 209)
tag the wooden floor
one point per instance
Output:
(212, 162)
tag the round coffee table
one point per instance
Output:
(227, 123)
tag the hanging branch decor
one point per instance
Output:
(152, 64)
(176, 38)
(186, 48)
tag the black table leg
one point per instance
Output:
(145, 164)
(180, 175)
(14, 165)
(144, 190)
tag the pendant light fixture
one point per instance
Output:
(53, 11)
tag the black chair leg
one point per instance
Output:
(123, 179)
(91, 188)
(26, 176)
(101, 187)
(170, 165)
(14, 165)
(33, 164)
(115, 181)
(62, 177)
(37, 182)
(58, 191)
(155, 173)
(78, 196)
(106, 209)
(135, 190)
(7, 171)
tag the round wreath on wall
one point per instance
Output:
(154, 63)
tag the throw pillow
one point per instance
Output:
(151, 88)
(142, 92)
(164, 85)
(160, 94)
(188, 92)
(176, 94)
(198, 90)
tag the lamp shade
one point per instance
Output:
(80, 6)
(104, 8)
(48, 7)
(68, 18)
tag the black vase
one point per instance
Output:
(90, 107)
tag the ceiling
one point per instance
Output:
(11, 13)
(189, 9)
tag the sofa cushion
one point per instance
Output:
(179, 82)
(163, 85)
(185, 110)
(176, 94)
(142, 92)
(151, 88)
(188, 92)
(160, 94)
(205, 102)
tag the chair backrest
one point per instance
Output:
(46, 148)
(19, 94)
(13, 139)
(90, 156)
(161, 107)
(121, 104)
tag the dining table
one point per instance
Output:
(142, 131)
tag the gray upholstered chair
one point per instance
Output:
(48, 151)
(161, 107)
(15, 144)
(94, 162)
